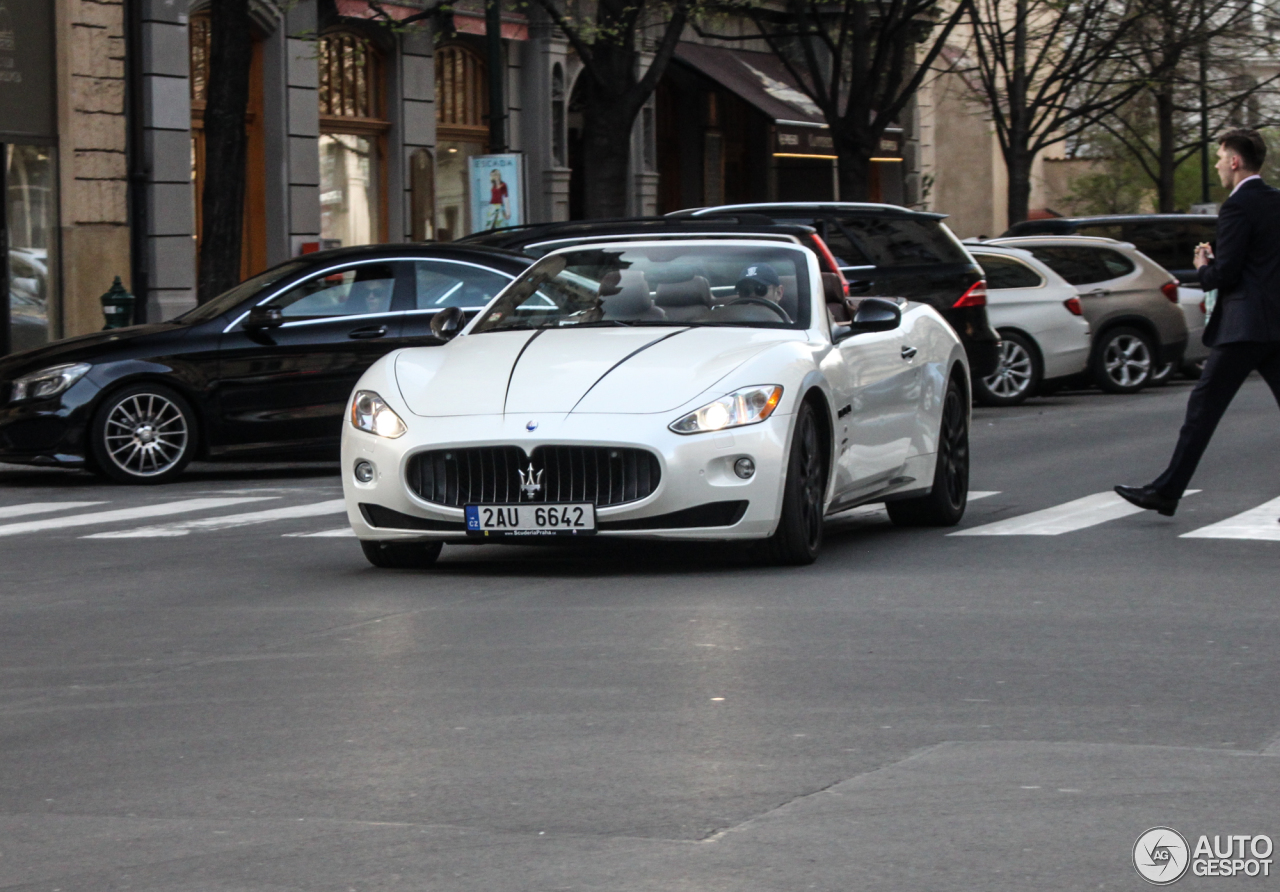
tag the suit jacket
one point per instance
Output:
(1246, 268)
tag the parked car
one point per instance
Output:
(1129, 300)
(263, 371)
(1043, 332)
(891, 251)
(1168, 239)
(658, 389)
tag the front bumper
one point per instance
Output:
(696, 471)
(47, 432)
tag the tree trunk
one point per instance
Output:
(854, 170)
(606, 139)
(1165, 155)
(1017, 161)
(222, 220)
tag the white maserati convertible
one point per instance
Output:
(687, 389)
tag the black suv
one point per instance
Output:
(1168, 239)
(889, 251)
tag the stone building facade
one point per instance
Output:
(359, 132)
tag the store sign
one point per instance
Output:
(497, 191)
(27, 103)
(815, 141)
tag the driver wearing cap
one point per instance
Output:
(760, 280)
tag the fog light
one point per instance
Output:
(364, 471)
(744, 468)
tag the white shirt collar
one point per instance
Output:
(1245, 180)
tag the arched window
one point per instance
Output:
(557, 115)
(353, 129)
(462, 130)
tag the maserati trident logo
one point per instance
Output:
(530, 482)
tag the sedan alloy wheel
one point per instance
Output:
(144, 435)
(1124, 361)
(1017, 376)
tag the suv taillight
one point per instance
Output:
(976, 296)
(1170, 290)
(1073, 305)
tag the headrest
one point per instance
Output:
(631, 299)
(694, 293)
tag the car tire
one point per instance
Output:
(946, 501)
(144, 434)
(798, 538)
(1123, 360)
(1017, 375)
(401, 555)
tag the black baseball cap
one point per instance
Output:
(762, 273)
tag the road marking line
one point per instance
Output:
(42, 508)
(343, 533)
(226, 522)
(1068, 517)
(160, 510)
(983, 494)
(1256, 523)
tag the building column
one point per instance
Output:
(301, 118)
(166, 145)
(548, 174)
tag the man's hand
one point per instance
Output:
(1204, 255)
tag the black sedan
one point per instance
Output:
(262, 372)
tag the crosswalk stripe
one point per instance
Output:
(119, 514)
(340, 533)
(226, 522)
(42, 508)
(1256, 523)
(1068, 517)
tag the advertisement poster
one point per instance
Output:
(497, 191)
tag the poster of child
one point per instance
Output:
(497, 190)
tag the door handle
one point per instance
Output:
(1097, 292)
(368, 333)
(908, 352)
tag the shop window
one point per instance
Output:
(253, 248)
(29, 177)
(353, 130)
(462, 131)
(557, 116)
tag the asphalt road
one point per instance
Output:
(221, 700)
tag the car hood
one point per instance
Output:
(597, 370)
(90, 347)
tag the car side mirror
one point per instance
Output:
(264, 317)
(448, 322)
(873, 314)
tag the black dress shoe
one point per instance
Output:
(1147, 497)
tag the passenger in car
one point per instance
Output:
(760, 280)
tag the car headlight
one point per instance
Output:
(48, 382)
(751, 405)
(370, 413)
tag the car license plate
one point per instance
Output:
(570, 519)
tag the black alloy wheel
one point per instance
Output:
(143, 434)
(1017, 375)
(946, 501)
(798, 538)
(401, 555)
(1124, 360)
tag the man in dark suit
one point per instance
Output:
(1244, 328)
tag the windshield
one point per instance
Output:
(229, 300)
(673, 284)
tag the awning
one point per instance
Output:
(800, 130)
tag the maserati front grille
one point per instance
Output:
(478, 475)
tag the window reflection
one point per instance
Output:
(32, 216)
